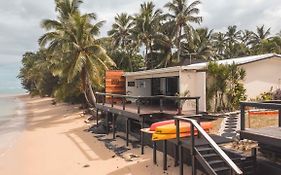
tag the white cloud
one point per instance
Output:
(20, 19)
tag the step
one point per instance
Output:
(220, 169)
(202, 149)
(229, 134)
(214, 162)
(229, 130)
(211, 155)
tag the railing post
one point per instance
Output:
(123, 101)
(138, 104)
(279, 119)
(161, 104)
(97, 114)
(103, 99)
(112, 101)
(242, 123)
(197, 105)
(192, 149)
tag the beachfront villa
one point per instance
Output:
(156, 111)
(262, 73)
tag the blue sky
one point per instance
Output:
(20, 19)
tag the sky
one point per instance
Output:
(20, 19)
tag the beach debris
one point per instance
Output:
(98, 129)
(244, 145)
(86, 166)
(100, 135)
(54, 102)
(130, 156)
(109, 145)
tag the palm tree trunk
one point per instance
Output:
(92, 95)
(179, 43)
(145, 57)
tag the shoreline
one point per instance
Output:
(13, 124)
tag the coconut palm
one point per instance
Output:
(219, 43)
(233, 35)
(72, 42)
(183, 14)
(200, 44)
(164, 43)
(121, 35)
(260, 35)
(146, 26)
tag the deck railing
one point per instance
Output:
(194, 153)
(273, 104)
(140, 99)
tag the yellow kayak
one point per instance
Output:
(184, 128)
(156, 136)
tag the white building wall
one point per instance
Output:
(195, 83)
(142, 87)
(261, 76)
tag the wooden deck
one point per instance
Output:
(269, 136)
(143, 110)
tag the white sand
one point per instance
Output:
(54, 143)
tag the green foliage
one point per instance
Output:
(224, 87)
(35, 75)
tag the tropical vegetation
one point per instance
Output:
(72, 58)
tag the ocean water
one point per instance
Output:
(12, 118)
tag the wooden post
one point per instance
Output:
(142, 137)
(164, 155)
(242, 123)
(97, 114)
(197, 105)
(138, 105)
(192, 150)
(161, 104)
(279, 119)
(127, 131)
(114, 124)
(112, 101)
(154, 152)
(124, 102)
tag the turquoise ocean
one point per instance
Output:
(12, 117)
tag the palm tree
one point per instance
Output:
(260, 35)
(200, 44)
(72, 42)
(164, 44)
(146, 26)
(183, 14)
(233, 35)
(219, 43)
(121, 35)
(121, 30)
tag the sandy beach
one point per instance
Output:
(54, 143)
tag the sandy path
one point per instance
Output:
(54, 143)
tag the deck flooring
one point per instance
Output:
(147, 109)
(268, 135)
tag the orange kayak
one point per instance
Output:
(155, 125)
(184, 128)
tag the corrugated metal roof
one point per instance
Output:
(239, 61)
(200, 66)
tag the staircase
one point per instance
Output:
(214, 164)
(230, 126)
(210, 156)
